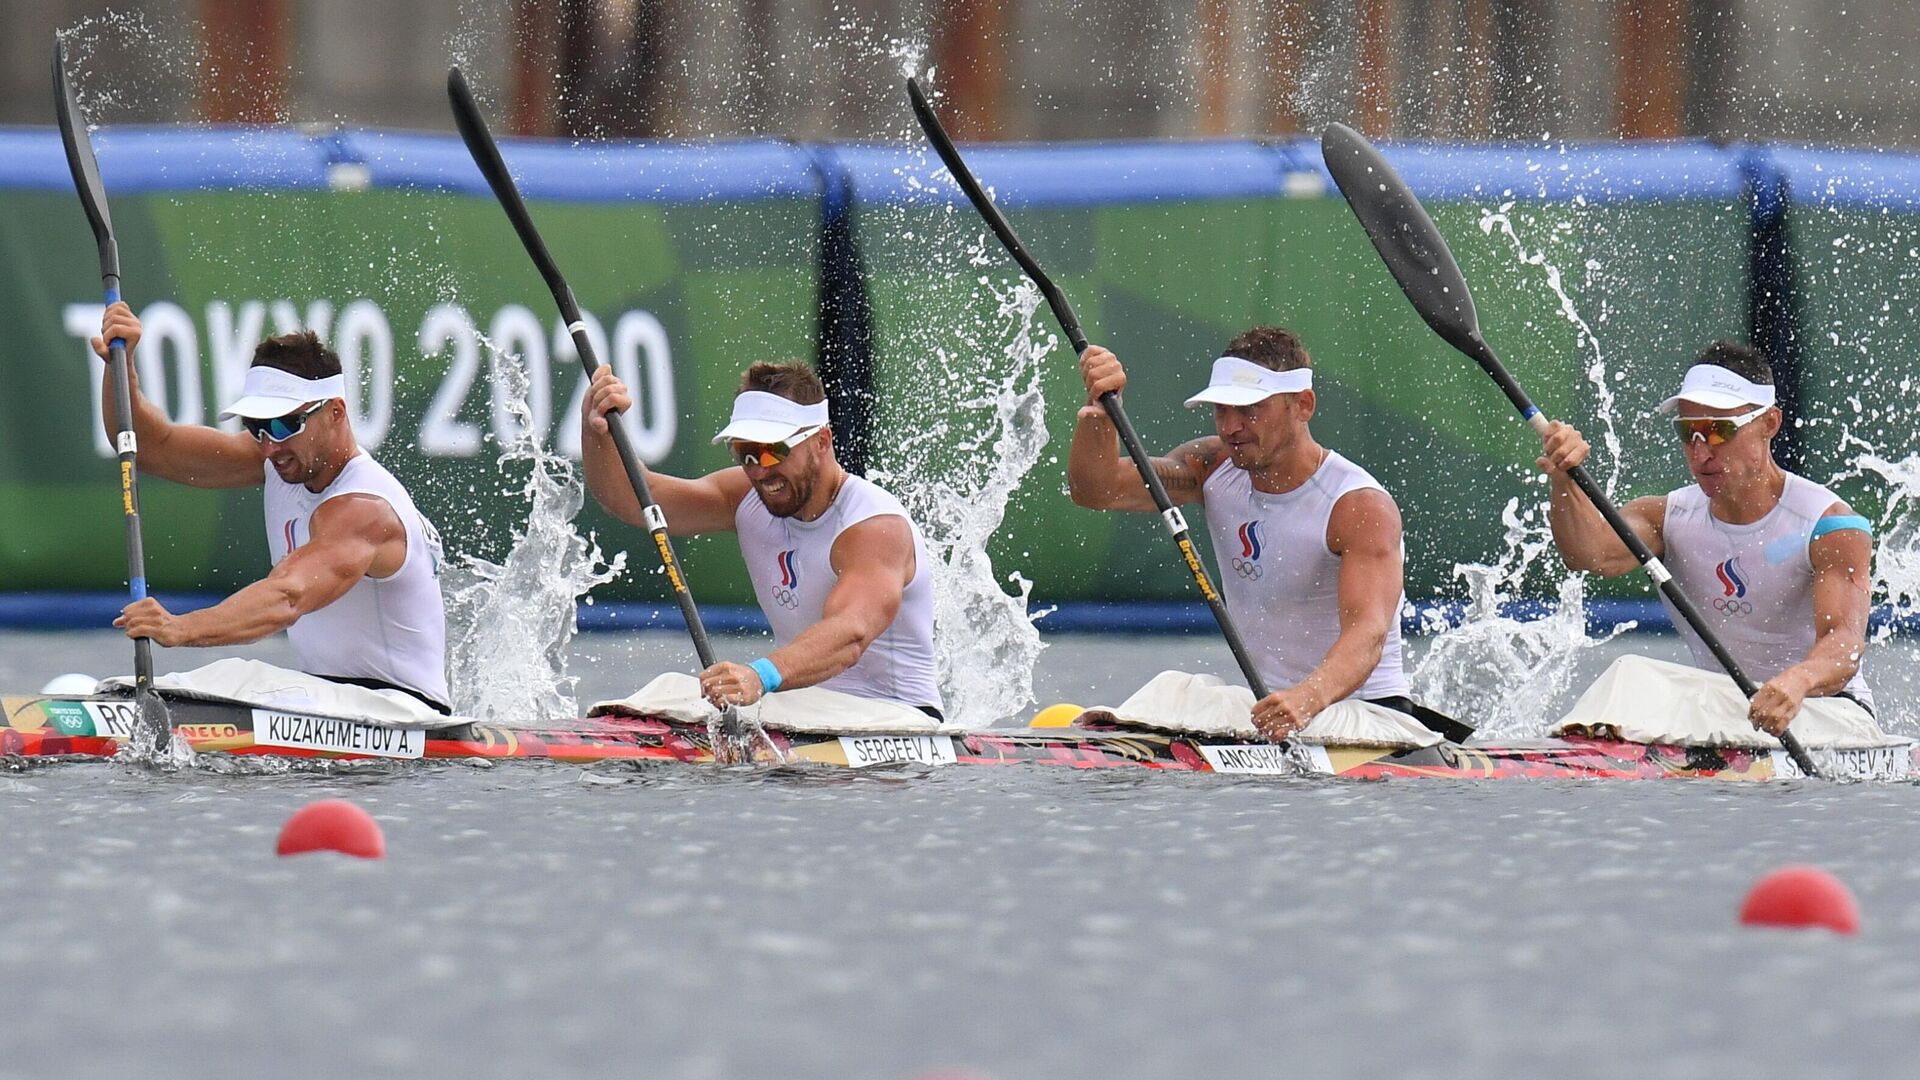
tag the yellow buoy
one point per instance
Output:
(1057, 716)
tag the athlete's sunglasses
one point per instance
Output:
(281, 428)
(1714, 430)
(767, 455)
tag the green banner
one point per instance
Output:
(1166, 285)
(407, 286)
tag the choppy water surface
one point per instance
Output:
(537, 920)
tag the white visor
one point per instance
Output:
(1243, 382)
(1717, 388)
(760, 417)
(270, 392)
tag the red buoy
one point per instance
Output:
(332, 825)
(1801, 896)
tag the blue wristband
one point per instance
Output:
(769, 675)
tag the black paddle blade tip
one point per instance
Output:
(81, 162)
(1415, 253)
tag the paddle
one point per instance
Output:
(1418, 258)
(1110, 401)
(93, 200)
(486, 154)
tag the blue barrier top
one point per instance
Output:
(589, 171)
(1857, 178)
(137, 160)
(1071, 174)
(1598, 172)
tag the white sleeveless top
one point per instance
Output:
(791, 563)
(1752, 583)
(1281, 583)
(393, 629)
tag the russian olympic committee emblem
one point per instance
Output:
(1247, 563)
(1735, 601)
(786, 590)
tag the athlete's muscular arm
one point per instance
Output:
(1842, 596)
(1364, 530)
(1585, 540)
(185, 453)
(875, 562)
(702, 505)
(1100, 476)
(354, 536)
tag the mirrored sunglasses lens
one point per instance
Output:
(763, 456)
(278, 428)
(1713, 432)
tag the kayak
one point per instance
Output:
(96, 726)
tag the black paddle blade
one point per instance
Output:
(1405, 237)
(86, 171)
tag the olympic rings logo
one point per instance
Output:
(1730, 606)
(786, 597)
(1248, 568)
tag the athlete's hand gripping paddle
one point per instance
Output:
(1110, 401)
(1420, 261)
(486, 154)
(93, 200)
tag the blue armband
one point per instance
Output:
(769, 675)
(1839, 523)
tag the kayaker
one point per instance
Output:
(355, 579)
(1309, 543)
(1779, 565)
(838, 567)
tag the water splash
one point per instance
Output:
(1502, 672)
(1586, 339)
(956, 477)
(911, 54)
(131, 67)
(143, 749)
(1896, 571)
(510, 622)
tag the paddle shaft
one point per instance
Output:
(1170, 514)
(93, 200)
(128, 448)
(486, 154)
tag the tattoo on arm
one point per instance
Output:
(1185, 470)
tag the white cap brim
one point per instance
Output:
(1716, 387)
(1712, 399)
(269, 392)
(760, 431)
(1229, 395)
(261, 407)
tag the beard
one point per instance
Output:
(785, 495)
